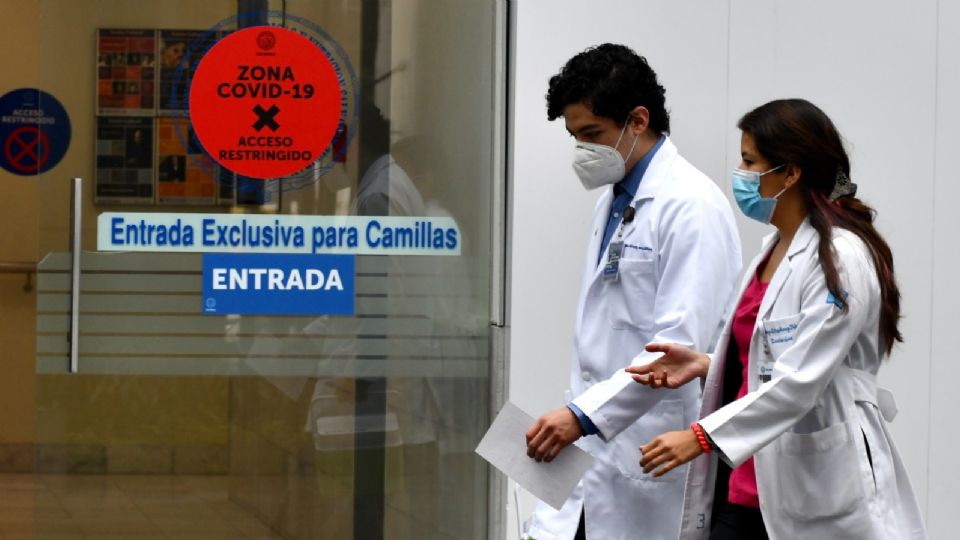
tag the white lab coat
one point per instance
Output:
(677, 275)
(807, 424)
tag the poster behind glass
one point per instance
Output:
(124, 160)
(126, 61)
(185, 175)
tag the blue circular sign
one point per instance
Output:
(34, 131)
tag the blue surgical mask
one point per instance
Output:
(746, 190)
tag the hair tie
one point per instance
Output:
(842, 186)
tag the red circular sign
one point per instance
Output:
(27, 149)
(265, 102)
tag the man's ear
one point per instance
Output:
(639, 119)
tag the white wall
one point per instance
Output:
(943, 401)
(885, 71)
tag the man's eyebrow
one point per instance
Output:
(581, 129)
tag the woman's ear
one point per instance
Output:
(791, 176)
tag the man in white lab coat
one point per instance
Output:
(661, 266)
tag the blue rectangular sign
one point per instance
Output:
(267, 284)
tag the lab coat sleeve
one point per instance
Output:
(699, 258)
(804, 370)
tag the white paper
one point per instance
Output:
(505, 447)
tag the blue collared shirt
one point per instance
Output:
(586, 425)
(623, 193)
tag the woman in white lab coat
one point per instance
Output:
(790, 400)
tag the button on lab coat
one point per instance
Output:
(814, 417)
(677, 275)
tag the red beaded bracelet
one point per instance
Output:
(701, 437)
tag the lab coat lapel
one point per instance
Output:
(599, 226)
(591, 267)
(800, 243)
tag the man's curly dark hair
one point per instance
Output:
(611, 80)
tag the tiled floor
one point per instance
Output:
(54, 507)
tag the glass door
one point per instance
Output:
(136, 413)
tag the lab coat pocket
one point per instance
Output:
(780, 334)
(818, 473)
(873, 459)
(631, 299)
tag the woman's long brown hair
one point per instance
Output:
(797, 132)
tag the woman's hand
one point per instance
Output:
(678, 366)
(669, 451)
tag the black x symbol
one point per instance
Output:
(265, 118)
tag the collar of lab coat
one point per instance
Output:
(801, 243)
(656, 172)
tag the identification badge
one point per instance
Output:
(766, 371)
(611, 270)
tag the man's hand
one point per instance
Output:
(669, 451)
(678, 366)
(551, 433)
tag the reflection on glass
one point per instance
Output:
(292, 427)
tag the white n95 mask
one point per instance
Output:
(598, 165)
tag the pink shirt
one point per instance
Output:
(743, 479)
